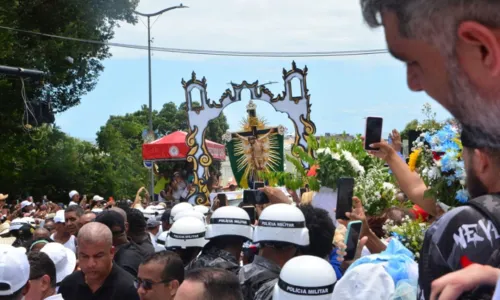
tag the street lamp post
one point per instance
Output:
(149, 73)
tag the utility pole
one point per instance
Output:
(150, 121)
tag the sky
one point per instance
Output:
(344, 90)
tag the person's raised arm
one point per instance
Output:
(409, 182)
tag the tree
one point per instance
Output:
(68, 82)
(121, 137)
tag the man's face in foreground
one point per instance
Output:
(466, 82)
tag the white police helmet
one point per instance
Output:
(187, 232)
(305, 277)
(178, 208)
(190, 213)
(282, 223)
(162, 239)
(229, 220)
(202, 208)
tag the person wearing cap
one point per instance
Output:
(63, 258)
(42, 278)
(14, 273)
(27, 207)
(137, 231)
(128, 256)
(62, 234)
(23, 232)
(229, 228)
(281, 232)
(304, 278)
(99, 278)
(153, 227)
(187, 238)
(74, 198)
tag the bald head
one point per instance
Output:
(95, 232)
(121, 212)
(41, 233)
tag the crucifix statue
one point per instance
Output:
(254, 141)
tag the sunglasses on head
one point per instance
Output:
(148, 284)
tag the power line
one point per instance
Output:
(210, 52)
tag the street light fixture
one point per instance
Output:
(149, 71)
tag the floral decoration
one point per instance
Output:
(410, 233)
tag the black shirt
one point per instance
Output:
(119, 285)
(129, 257)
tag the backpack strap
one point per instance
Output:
(483, 205)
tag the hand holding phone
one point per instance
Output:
(352, 239)
(345, 191)
(373, 132)
(254, 197)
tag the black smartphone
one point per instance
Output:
(352, 239)
(251, 213)
(345, 190)
(258, 184)
(373, 132)
(222, 199)
(253, 197)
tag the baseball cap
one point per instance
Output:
(72, 194)
(25, 203)
(59, 217)
(63, 258)
(14, 269)
(152, 223)
(98, 198)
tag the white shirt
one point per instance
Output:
(71, 203)
(55, 297)
(70, 244)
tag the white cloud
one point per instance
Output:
(257, 25)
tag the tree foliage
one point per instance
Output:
(52, 163)
(68, 82)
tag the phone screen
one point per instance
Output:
(373, 133)
(345, 190)
(352, 239)
(258, 184)
(249, 197)
(251, 213)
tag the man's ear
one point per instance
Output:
(480, 162)
(26, 288)
(174, 286)
(483, 43)
(46, 282)
(112, 251)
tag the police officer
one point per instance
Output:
(281, 231)
(303, 278)
(229, 228)
(186, 238)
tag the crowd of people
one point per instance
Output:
(131, 250)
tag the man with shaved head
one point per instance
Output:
(99, 278)
(41, 233)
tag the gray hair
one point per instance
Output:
(435, 21)
(95, 232)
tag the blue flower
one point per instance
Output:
(462, 196)
(447, 162)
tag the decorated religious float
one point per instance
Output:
(249, 145)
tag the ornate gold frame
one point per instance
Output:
(298, 110)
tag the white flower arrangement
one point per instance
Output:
(410, 233)
(375, 192)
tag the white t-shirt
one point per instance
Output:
(55, 297)
(71, 203)
(70, 244)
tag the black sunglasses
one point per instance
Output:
(148, 284)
